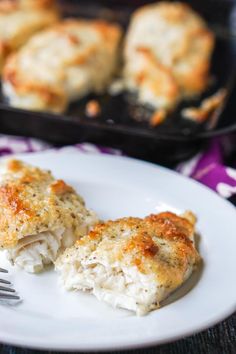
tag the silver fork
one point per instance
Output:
(6, 292)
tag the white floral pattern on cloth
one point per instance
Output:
(206, 167)
(15, 145)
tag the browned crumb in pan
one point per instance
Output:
(207, 106)
(92, 109)
(158, 117)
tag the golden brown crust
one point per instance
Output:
(59, 187)
(160, 245)
(143, 244)
(32, 201)
(14, 165)
(170, 226)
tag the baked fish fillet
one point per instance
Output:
(132, 263)
(20, 19)
(39, 216)
(61, 64)
(167, 54)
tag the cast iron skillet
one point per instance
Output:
(123, 123)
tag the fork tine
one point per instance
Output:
(5, 281)
(4, 288)
(9, 296)
(3, 270)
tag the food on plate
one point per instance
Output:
(167, 54)
(61, 64)
(20, 19)
(208, 105)
(132, 263)
(39, 215)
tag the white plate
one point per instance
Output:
(49, 318)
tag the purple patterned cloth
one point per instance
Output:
(207, 167)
